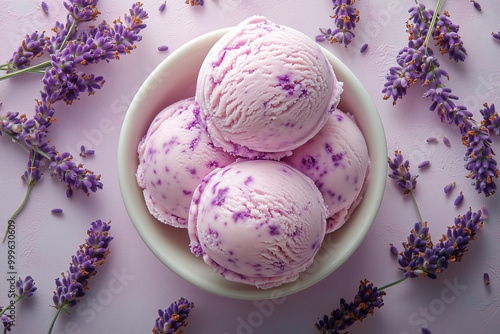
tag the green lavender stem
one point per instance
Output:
(54, 320)
(392, 284)
(33, 68)
(416, 206)
(431, 26)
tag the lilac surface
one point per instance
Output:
(456, 302)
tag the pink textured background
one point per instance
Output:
(133, 284)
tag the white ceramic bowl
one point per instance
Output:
(175, 79)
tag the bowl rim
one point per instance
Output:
(367, 210)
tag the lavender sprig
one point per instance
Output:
(365, 301)
(479, 154)
(68, 49)
(416, 62)
(345, 18)
(25, 289)
(173, 318)
(82, 267)
(31, 47)
(427, 259)
(401, 172)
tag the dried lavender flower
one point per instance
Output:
(486, 279)
(345, 18)
(432, 140)
(424, 164)
(162, 7)
(449, 187)
(496, 35)
(82, 267)
(401, 172)
(425, 331)
(459, 199)
(446, 141)
(365, 301)
(485, 212)
(85, 153)
(26, 287)
(56, 211)
(45, 7)
(476, 5)
(174, 317)
(363, 48)
(394, 250)
(162, 48)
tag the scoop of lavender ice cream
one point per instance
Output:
(265, 88)
(174, 156)
(337, 160)
(257, 222)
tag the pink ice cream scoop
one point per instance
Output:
(174, 156)
(337, 160)
(265, 88)
(258, 222)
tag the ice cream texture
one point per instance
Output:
(174, 156)
(265, 88)
(258, 222)
(337, 160)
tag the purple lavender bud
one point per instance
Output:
(162, 7)
(394, 250)
(459, 199)
(432, 140)
(476, 5)
(496, 35)
(45, 7)
(162, 48)
(320, 38)
(486, 279)
(363, 48)
(425, 331)
(6, 322)
(485, 212)
(446, 141)
(449, 187)
(26, 287)
(56, 211)
(424, 164)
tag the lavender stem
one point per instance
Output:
(30, 185)
(27, 69)
(431, 26)
(416, 206)
(54, 320)
(393, 283)
(70, 31)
